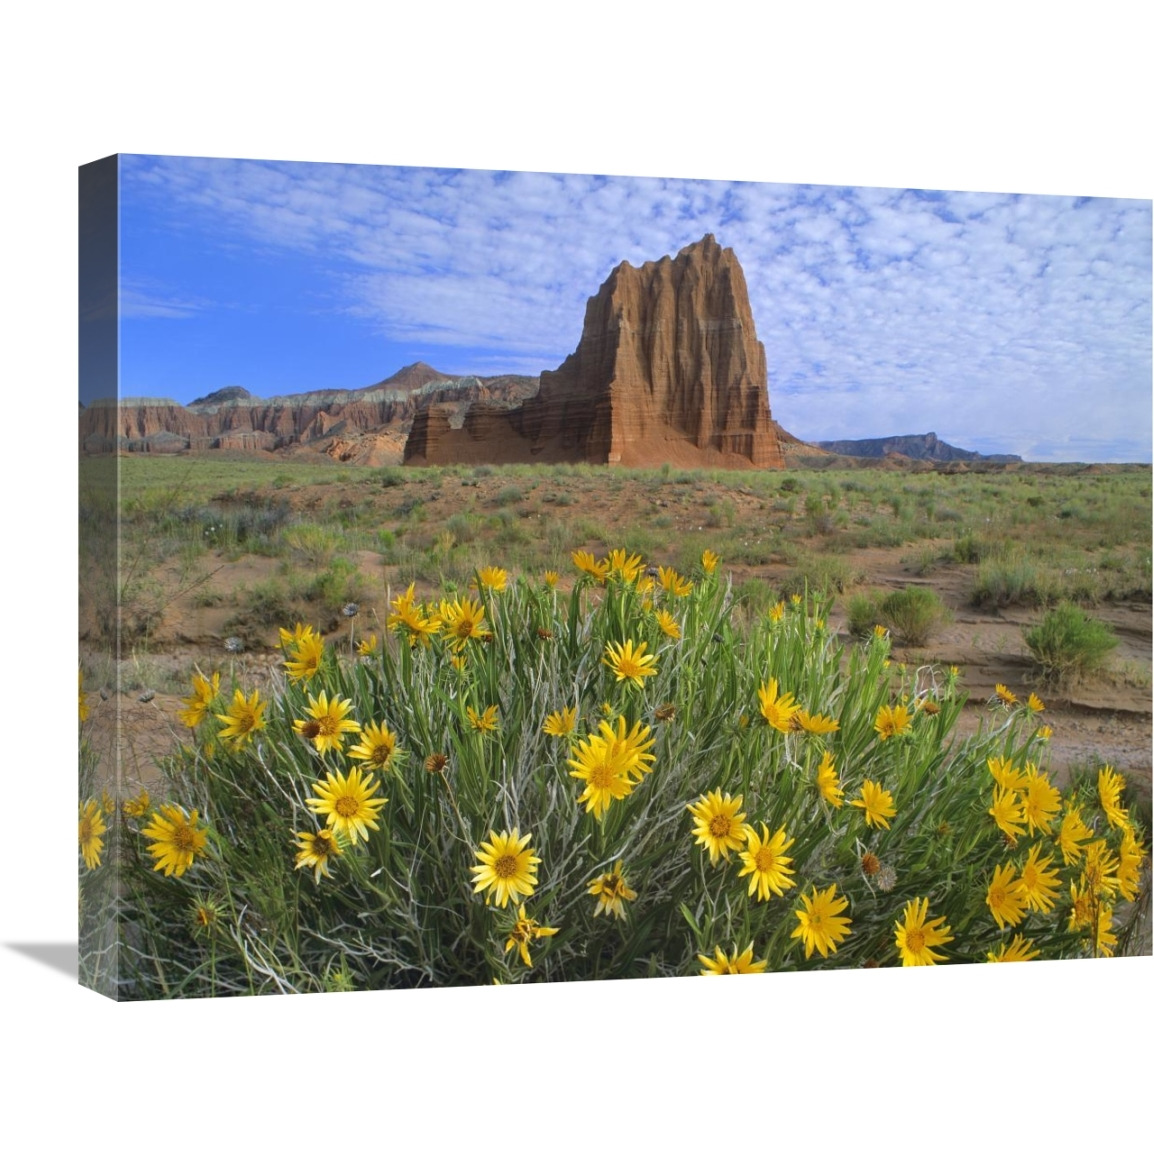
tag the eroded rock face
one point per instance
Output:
(668, 368)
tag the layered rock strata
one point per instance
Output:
(668, 369)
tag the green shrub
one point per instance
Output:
(1068, 644)
(862, 614)
(914, 614)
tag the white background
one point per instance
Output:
(992, 97)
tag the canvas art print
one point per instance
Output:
(501, 577)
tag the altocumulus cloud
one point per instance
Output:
(1006, 323)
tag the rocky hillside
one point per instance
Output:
(668, 369)
(917, 446)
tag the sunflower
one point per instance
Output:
(1004, 695)
(915, 938)
(1007, 813)
(483, 722)
(1100, 870)
(83, 695)
(828, 784)
(562, 723)
(815, 724)
(1131, 855)
(463, 621)
(717, 825)
(176, 839)
(777, 613)
(722, 963)
(611, 890)
(672, 583)
(766, 863)
(92, 830)
(1039, 883)
(587, 563)
(508, 867)
(243, 718)
(620, 564)
(606, 769)
(821, 926)
(347, 803)
(551, 578)
(328, 723)
(1104, 938)
(1006, 896)
(1019, 950)
(777, 711)
(1044, 733)
(878, 804)
(1005, 774)
(377, 745)
(369, 646)
(892, 721)
(1040, 800)
(1072, 833)
(316, 851)
(299, 633)
(710, 560)
(304, 662)
(411, 617)
(136, 806)
(629, 662)
(667, 623)
(1034, 703)
(204, 692)
(492, 578)
(525, 930)
(1110, 785)
(629, 749)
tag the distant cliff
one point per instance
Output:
(916, 446)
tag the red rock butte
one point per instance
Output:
(668, 369)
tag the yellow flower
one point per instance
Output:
(551, 578)
(483, 722)
(1104, 938)
(1019, 950)
(1004, 695)
(1072, 833)
(1005, 774)
(1040, 884)
(892, 721)
(136, 806)
(347, 803)
(667, 623)
(1110, 785)
(630, 749)
(628, 568)
(915, 938)
(1040, 800)
(1131, 855)
(204, 692)
(611, 890)
(83, 695)
(1100, 870)
(605, 768)
(1007, 813)
(777, 612)
(459, 662)
(243, 719)
(709, 560)
(630, 663)
(377, 745)
(526, 930)
(587, 563)
(816, 724)
(369, 646)
(493, 578)
(91, 831)
(508, 867)
(717, 825)
(304, 662)
(672, 583)
(828, 784)
(881, 632)
(562, 723)
(315, 851)
(1006, 897)
(411, 617)
(821, 926)
(766, 863)
(777, 711)
(299, 633)
(176, 839)
(327, 722)
(1082, 905)
(1045, 733)
(463, 621)
(1034, 703)
(878, 804)
(722, 963)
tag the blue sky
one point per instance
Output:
(1005, 323)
